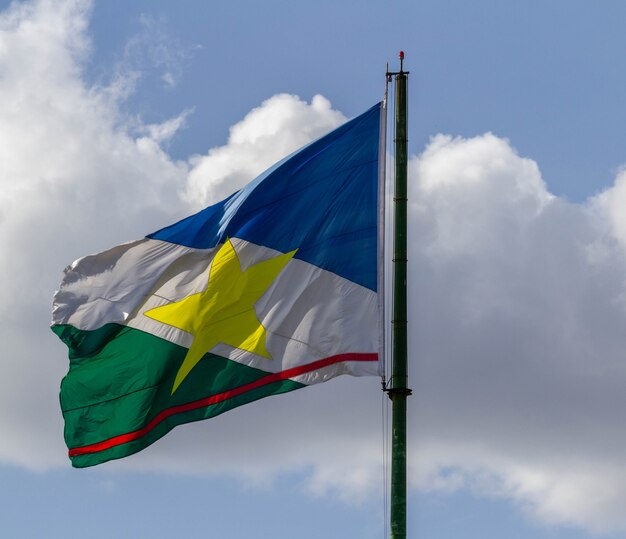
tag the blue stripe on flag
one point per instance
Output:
(322, 200)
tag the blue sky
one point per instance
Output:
(117, 118)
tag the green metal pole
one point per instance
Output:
(399, 391)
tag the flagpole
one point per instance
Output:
(398, 390)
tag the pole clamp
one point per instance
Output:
(399, 391)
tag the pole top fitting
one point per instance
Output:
(401, 73)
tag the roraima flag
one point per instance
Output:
(274, 288)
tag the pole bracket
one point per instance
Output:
(399, 391)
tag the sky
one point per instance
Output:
(117, 118)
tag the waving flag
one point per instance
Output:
(270, 290)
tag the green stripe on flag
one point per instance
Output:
(116, 397)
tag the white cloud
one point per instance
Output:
(72, 180)
(268, 133)
(518, 316)
(153, 48)
(164, 131)
(517, 299)
(611, 204)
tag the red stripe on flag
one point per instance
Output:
(214, 399)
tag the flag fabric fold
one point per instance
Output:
(273, 289)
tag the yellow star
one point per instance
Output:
(224, 312)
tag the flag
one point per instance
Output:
(273, 289)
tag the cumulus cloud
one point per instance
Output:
(610, 204)
(517, 299)
(517, 306)
(72, 180)
(268, 133)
